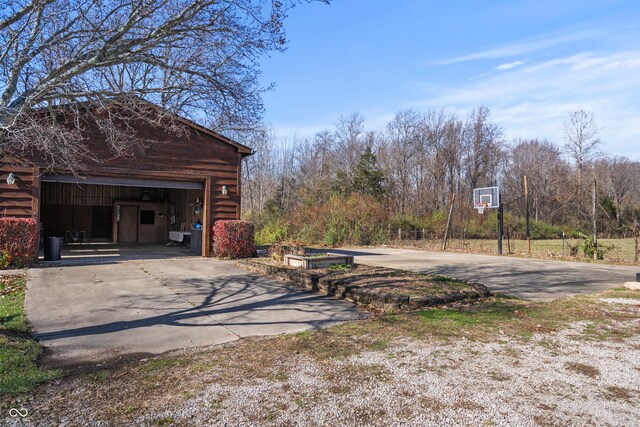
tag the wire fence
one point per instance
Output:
(623, 250)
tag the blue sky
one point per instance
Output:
(530, 62)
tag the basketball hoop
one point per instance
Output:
(486, 198)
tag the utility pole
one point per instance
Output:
(595, 224)
(526, 202)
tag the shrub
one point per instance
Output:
(590, 248)
(271, 233)
(357, 219)
(18, 242)
(233, 239)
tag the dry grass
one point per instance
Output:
(616, 250)
(135, 388)
(583, 369)
(619, 393)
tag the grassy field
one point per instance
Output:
(615, 250)
(19, 351)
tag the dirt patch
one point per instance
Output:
(583, 369)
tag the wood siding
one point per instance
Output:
(196, 157)
(199, 156)
(20, 200)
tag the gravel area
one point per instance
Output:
(466, 383)
(627, 301)
(559, 378)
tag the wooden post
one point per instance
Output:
(464, 238)
(446, 231)
(526, 203)
(595, 224)
(207, 215)
(636, 229)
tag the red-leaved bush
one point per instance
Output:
(18, 242)
(233, 239)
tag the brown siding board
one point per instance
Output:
(16, 200)
(196, 158)
(17, 212)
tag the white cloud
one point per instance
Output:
(510, 65)
(533, 100)
(522, 47)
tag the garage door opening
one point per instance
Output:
(142, 212)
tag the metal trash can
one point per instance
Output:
(52, 248)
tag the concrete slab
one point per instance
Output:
(111, 253)
(634, 286)
(534, 279)
(86, 314)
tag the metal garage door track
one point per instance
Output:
(96, 313)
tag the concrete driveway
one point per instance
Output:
(538, 280)
(87, 314)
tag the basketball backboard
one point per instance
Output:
(486, 198)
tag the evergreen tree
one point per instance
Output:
(368, 179)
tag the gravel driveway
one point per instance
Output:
(550, 379)
(553, 380)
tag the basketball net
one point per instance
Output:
(481, 208)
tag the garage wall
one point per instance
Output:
(20, 200)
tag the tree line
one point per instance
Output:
(349, 185)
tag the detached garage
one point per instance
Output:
(168, 186)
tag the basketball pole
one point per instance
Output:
(500, 227)
(526, 203)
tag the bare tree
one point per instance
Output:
(405, 135)
(444, 136)
(316, 164)
(260, 172)
(197, 58)
(542, 164)
(483, 149)
(349, 141)
(582, 141)
(623, 177)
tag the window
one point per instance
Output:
(147, 217)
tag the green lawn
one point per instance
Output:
(19, 351)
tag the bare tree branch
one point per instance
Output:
(197, 58)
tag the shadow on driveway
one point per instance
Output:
(91, 314)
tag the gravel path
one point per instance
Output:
(553, 380)
(559, 378)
